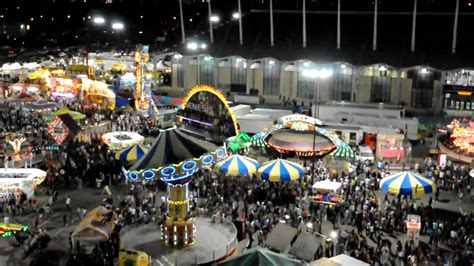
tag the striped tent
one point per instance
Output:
(342, 149)
(258, 140)
(131, 153)
(407, 183)
(280, 171)
(172, 146)
(237, 165)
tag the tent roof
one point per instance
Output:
(261, 257)
(173, 146)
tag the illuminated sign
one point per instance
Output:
(206, 108)
(58, 130)
(8, 230)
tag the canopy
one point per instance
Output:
(239, 141)
(237, 165)
(173, 146)
(407, 183)
(327, 185)
(131, 153)
(258, 140)
(25, 97)
(92, 228)
(342, 149)
(75, 115)
(258, 256)
(280, 171)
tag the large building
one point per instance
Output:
(417, 88)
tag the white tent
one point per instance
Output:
(31, 65)
(48, 63)
(12, 66)
(327, 185)
(348, 260)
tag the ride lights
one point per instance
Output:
(185, 235)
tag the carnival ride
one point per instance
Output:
(457, 142)
(301, 135)
(20, 180)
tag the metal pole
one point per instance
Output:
(240, 24)
(314, 131)
(183, 36)
(339, 24)
(271, 23)
(455, 28)
(211, 33)
(413, 28)
(304, 23)
(374, 41)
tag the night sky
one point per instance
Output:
(59, 23)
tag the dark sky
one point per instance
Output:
(160, 18)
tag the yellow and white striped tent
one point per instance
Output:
(237, 165)
(407, 183)
(280, 171)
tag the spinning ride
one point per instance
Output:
(179, 228)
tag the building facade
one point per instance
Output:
(414, 88)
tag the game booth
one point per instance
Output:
(390, 147)
(98, 93)
(327, 192)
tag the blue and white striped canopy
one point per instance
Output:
(407, 183)
(237, 165)
(280, 171)
(131, 153)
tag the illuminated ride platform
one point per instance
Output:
(182, 239)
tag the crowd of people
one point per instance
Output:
(368, 226)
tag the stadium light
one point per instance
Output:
(99, 20)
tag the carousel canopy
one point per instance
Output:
(280, 171)
(407, 183)
(173, 146)
(131, 153)
(260, 257)
(237, 165)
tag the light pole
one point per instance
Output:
(211, 19)
(241, 38)
(315, 75)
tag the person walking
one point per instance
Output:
(68, 203)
